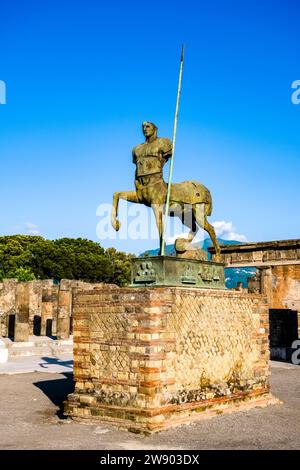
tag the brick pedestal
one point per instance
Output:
(149, 358)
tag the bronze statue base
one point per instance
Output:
(173, 271)
(147, 359)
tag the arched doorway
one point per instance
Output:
(49, 327)
(37, 325)
(71, 325)
(283, 332)
(11, 326)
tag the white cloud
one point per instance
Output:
(224, 230)
(227, 231)
(32, 229)
(172, 239)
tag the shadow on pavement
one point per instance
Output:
(55, 361)
(57, 391)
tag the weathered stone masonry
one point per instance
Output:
(37, 308)
(278, 277)
(146, 359)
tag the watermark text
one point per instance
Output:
(295, 97)
(2, 92)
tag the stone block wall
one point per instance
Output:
(281, 285)
(284, 287)
(148, 358)
(260, 253)
(7, 303)
(23, 305)
(278, 266)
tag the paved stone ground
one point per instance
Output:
(31, 418)
(21, 365)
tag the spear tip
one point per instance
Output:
(182, 52)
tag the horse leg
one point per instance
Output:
(158, 214)
(188, 219)
(130, 196)
(211, 231)
(190, 222)
(203, 223)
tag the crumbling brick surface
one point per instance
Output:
(145, 358)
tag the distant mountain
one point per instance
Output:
(232, 275)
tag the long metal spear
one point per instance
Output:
(163, 242)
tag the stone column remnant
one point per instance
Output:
(47, 308)
(22, 312)
(64, 313)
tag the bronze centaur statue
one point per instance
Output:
(189, 200)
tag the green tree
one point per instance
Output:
(64, 258)
(120, 267)
(21, 274)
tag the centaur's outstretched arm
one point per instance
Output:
(128, 196)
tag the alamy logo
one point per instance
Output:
(2, 92)
(296, 353)
(296, 94)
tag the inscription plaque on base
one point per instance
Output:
(172, 271)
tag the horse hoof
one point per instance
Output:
(116, 225)
(181, 245)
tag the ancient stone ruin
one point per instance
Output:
(277, 277)
(38, 308)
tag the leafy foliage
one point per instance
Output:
(21, 274)
(28, 257)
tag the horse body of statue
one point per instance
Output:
(190, 200)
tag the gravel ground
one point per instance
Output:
(31, 418)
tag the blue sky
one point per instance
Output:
(82, 76)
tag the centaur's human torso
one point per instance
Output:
(149, 159)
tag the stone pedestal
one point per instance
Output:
(149, 358)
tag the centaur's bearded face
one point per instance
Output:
(149, 129)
